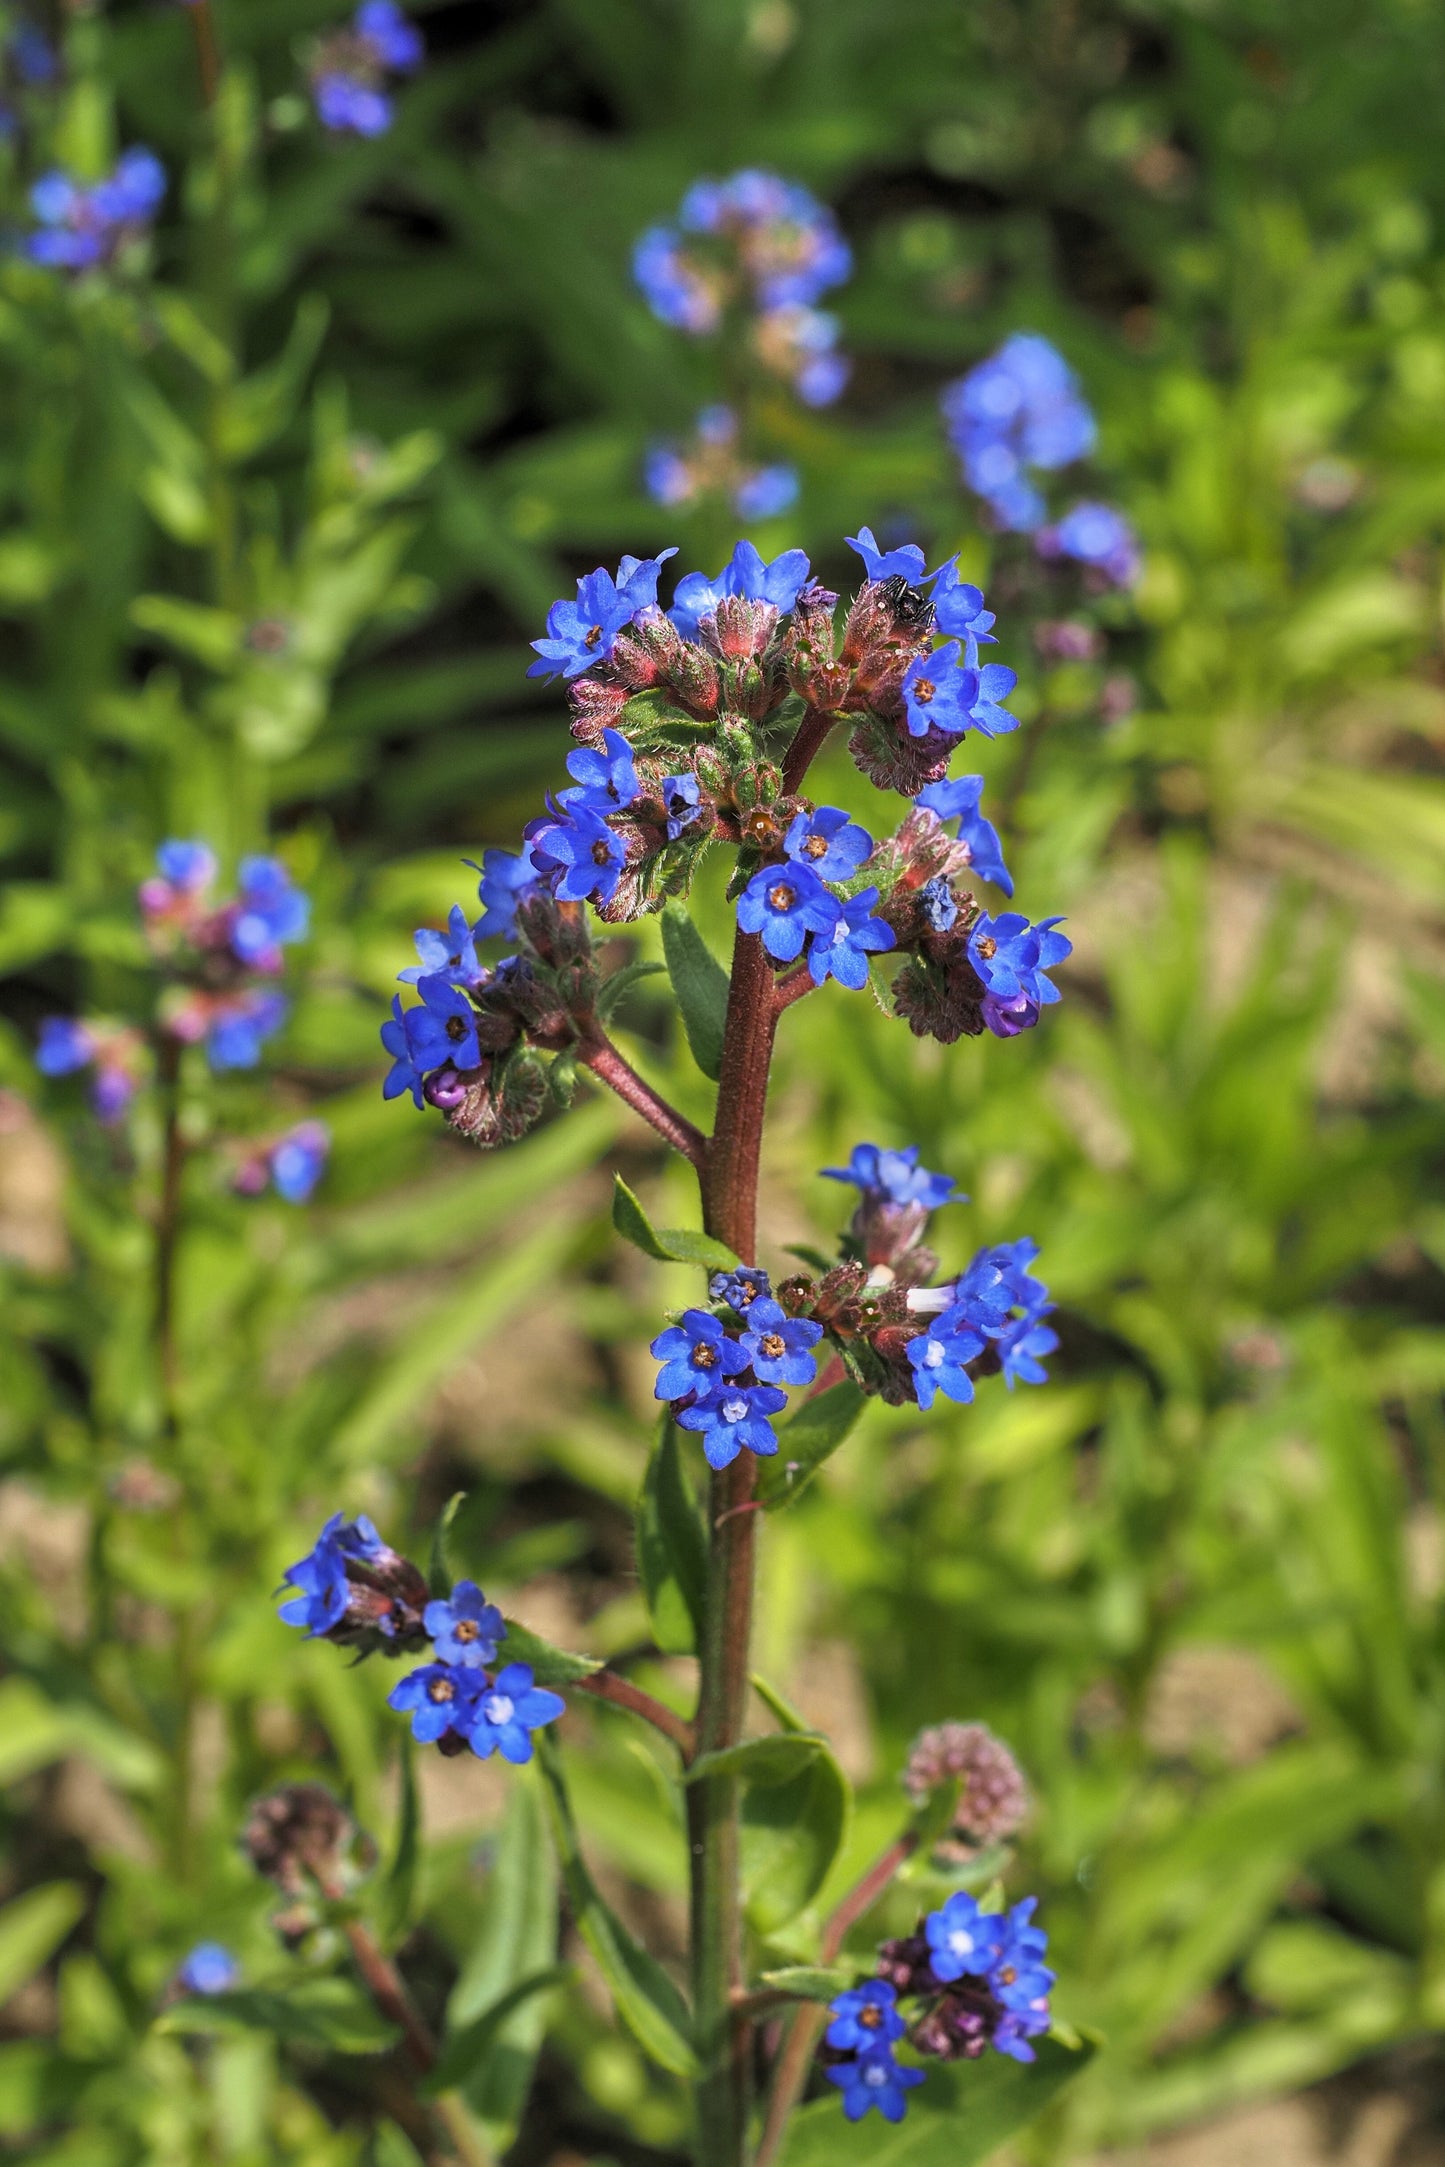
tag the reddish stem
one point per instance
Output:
(602, 1057)
(808, 740)
(608, 1686)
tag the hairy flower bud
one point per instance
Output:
(994, 1800)
(503, 1101)
(740, 628)
(557, 932)
(645, 651)
(596, 706)
(893, 760)
(693, 676)
(938, 993)
(296, 1831)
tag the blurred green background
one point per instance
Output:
(392, 396)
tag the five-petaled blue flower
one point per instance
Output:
(865, 2017)
(874, 2079)
(939, 692)
(963, 1940)
(1020, 1349)
(508, 1711)
(960, 799)
(843, 953)
(320, 1577)
(605, 776)
(744, 574)
(938, 1355)
(465, 1627)
(777, 1345)
(440, 1697)
(829, 842)
(695, 1355)
(444, 1028)
(734, 1417)
(785, 903)
(959, 613)
(895, 1177)
(403, 1075)
(578, 852)
(906, 562)
(1011, 956)
(451, 955)
(582, 632)
(740, 1287)
(507, 877)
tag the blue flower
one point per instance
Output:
(938, 1355)
(64, 1046)
(828, 842)
(1011, 956)
(963, 1940)
(766, 492)
(682, 802)
(239, 1030)
(939, 692)
(582, 632)
(271, 912)
(895, 1177)
(299, 1160)
(467, 1628)
(443, 1029)
(509, 1711)
(938, 905)
(996, 1282)
(403, 1075)
(906, 562)
(855, 935)
(396, 42)
(734, 1417)
(348, 107)
(209, 1969)
(135, 190)
(1020, 1981)
(85, 226)
(1097, 535)
(960, 800)
(672, 285)
(320, 1577)
(111, 1091)
(1012, 1260)
(958, 611)
(739, 1288)
(785, 903)
(821, 377)
(777, 1345)
(439, 1698)
(578, 852)
(451, 955)
(694, 1355)
(745, 574)
(874, 2079)
(1020, 408)
(606, 779)
(865, 2017)
(508, 878)
(191, 866)
(637, 578)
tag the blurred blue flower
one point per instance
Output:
(209, 1969)
(874, 2079)
(299, 1160)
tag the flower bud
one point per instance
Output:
(556, 932)
(893, 760)
(993, 1801)
(740, 628)
(938, 993)
(714, 774)
(693, 676)
(596, 706)
(296, 1831)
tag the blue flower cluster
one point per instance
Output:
(349, 74)
(452, 1699)
(66, 1046)
(727, 1383)
(1021, 413)
(28, 61)
(762, 243)
(980, 1981)
(1012, 958)
(677, 475)
(80, 228)
(997, 1302)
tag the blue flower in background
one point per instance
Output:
(186, 865)
(605, 778)
(777, 1345)
(466, 1628)
(271, 912)
(451, 955)
(905, 562)
(439, 1698)
(843, 952)
(578, 852)
(828, 842)
(766, 492)
(238, 1029)
(347, 80)
(733, 1419)
(1096, 535)
(509, 1711)
(744, 574)
(895, 1177)
(865, 2017)
(81, 227)
(960, 799)
(348, 107)
(694, 1355)
(298, 1161)
(396, 42)
(785, 903)
(938, 1356)
(963, 1940)
(1020, 408)
(874, 2079)
(209, 1969)
(64, 1046)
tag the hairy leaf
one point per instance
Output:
(701, 986)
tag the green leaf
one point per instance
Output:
(400, 1888)
(791, 1833)
(518, 1940)
(669, 1245)
(777, 1758)
(332, 2013)
(815, 1432)
(671, 1537)
(784, 1710)
(646, 1999)
(212, 636)
(466, 2051)
(958, 2117)
(550, 1666)
(32, 1928)
(612, 989)
(701, 986)
(811, 1982)
(438, 1570)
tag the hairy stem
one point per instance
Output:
(602, 1057)
(608, 1686)
(808, 740)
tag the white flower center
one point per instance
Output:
(875, 2075)
(961, 1943)
(735, 1410)
(934, 1359)
(497, 1709)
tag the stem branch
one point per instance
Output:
(608, 1686)
(808, 740)
(602, 1057)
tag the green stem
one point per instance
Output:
(168, 1229)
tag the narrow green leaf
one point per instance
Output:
(811, 1982)
(646, 1999)
(815, 1432)
(32, 1928)
(701, 986)
(400, 1888)
(332, 2013)
(612, 989)
(775, 1759)
(669, 1245)
(671, 1538)
(438, 1569)
(791, 1833)
(466, 2050)
(958, 2117)
(549, 1665)
(784, 1710)
(518, 1939)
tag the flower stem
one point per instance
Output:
(808, 741)
(602, 1057)
(168, 1228)
(608, 1686)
